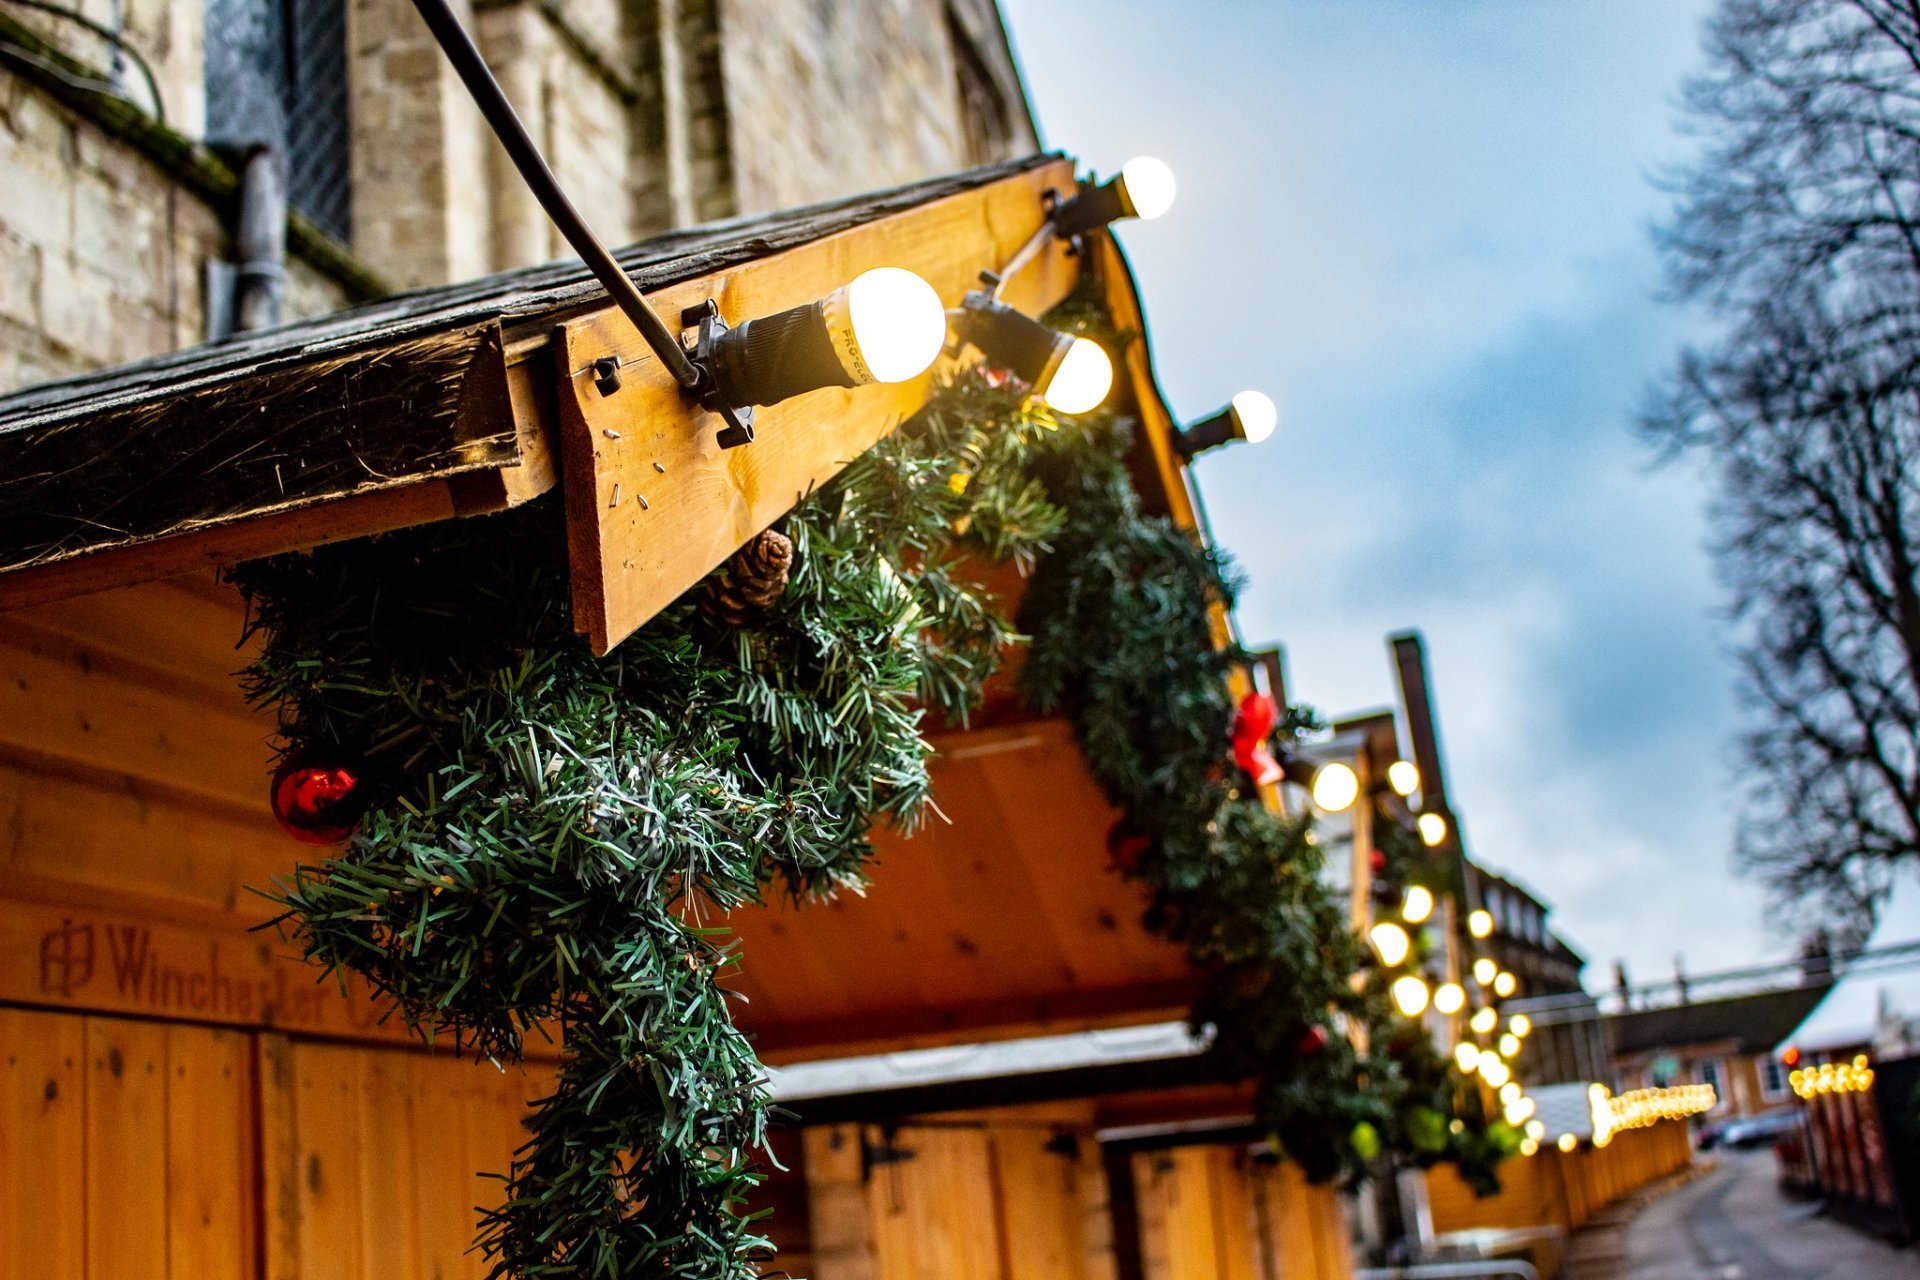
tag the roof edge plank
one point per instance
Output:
(397, 413)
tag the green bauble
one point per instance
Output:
(1427, 1130)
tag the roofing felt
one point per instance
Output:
(1755, 1023)
(162, 444)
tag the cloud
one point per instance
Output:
(1422, 228)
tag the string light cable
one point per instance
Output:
(887, 325)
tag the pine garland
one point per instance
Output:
(549, 830)
(1120, 641)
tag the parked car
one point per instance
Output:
(1758, 1131)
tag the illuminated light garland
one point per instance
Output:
(1832, 1077)
(1641, 1108)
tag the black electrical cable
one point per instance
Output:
(526, 157)
(113, 38)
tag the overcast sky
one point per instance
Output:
(1422, 227)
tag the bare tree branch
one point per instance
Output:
(1800, 226)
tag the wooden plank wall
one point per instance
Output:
(152, 1151)
(1007, 1196)
(1224, 1213)
(1021, 1195)
(165, 1107)
(134, 819)
(1563, 1189)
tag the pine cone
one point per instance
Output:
(750, 581)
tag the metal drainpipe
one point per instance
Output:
(260, 281)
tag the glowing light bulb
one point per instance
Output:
(1418, 904)
(1451, 998)
(1494, 1071)
(1567, 1142)
(1150, 186)
(1433, 829)
(1410, 996)
(1509, 1092)
(1466, 1055)
(1520, 1109)
(1484, 971)
(1529, 1146)
(1519, 1024)
(1536, 1130)
(1070, 374)
(1504, 984)
(1480, 923)
(1390, 942)
(1484, 1021)
(1335, 787)
(1082, 381)
(1256, 414)
(898, 323)
(1509, 1046)
(886, 326)
(1404, 777)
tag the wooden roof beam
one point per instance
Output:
(450, 402)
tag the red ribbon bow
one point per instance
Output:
(1253, 723)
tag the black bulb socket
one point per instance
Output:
(1010, 339)
(1093, 207)
(777, 357)
(1209, 433)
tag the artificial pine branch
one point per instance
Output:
(548, 828)
(1121, 642)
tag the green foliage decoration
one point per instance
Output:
(1118, 619)
(552, 835)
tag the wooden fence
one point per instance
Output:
(1558, 1188)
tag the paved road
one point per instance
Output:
(1733, 1224)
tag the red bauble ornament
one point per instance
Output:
(318, 799)
(1125, 846)
(1378, 861)
(1312, 1042)
(1253, 722)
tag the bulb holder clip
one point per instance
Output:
(708, 354)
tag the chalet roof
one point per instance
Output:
(358, 400)
(1755, 1023)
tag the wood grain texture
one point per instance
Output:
(1032, 931)
(1197, 1215)
(935, 1216)
(43, 1146)
(1163, 486)
(252, 441)
(653, 503)
(356, 516)
(126, 1167)
(838, 1213)
(298, 435)
(1039, 1197)
(376, 1159)
(210, 1179)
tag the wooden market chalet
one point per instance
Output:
(984, 1057)
(177, 1086)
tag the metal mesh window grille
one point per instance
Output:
(277, 73)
